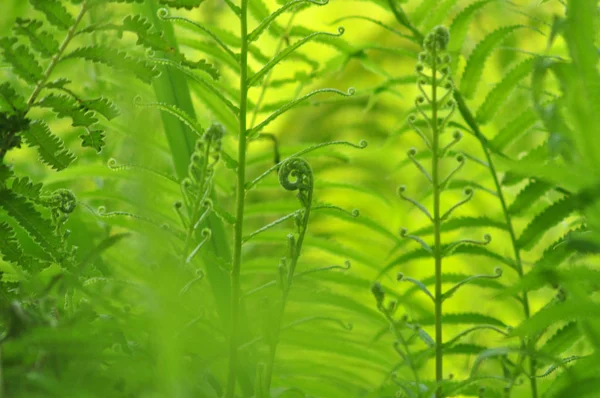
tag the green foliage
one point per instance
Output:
(173, 260)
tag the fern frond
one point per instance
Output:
(500, 93)
(55, 13)
(22, 60)
(42, 42)
(9, 246)
(562, 339)
(460, 26)
(41, 230)
(10, 100)
(51, 149)
(103, 106)
(65, 106)
(528, 196)
(476, 62)
(544, 221)
(116, 59)
(25, 187)
(93, 139)
(147, 38)
(514, 129)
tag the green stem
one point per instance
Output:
(470, 120)
(240, 201)
(56, 59)
(435, 177)
(286, 292)
(405, 344)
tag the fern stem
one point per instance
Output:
(472, 123)
(240, 202)
(55, 60)
(435, 177)
(470, 120)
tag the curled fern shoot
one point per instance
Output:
(295, 174)
(361, 145)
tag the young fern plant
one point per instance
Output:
(34, 238)
(51, 45)
(435, 106)
(237, 112)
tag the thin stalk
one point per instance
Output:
(409, 356)
(55, 60)
(240, 202)
(286, 292)
(435, 177)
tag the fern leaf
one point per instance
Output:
(421, 12)
(528, 196)
(55, 13)
(439, 14)
(42, 42)
(10, 100)
(147, 38)
(514, 129)
(500, 93)
(5, 174)
(142, 27)
(22, 60)
(463, 318)
(93, 139)
(116, 59)
(9, 246)
(204, 66)
(103, 106)
(50, 147)
(547, 219)
(460, 26)
(26, 188)
(40, 229)
(65, 106)
(557, 365)
(562, 340)
(58, 83)
(539, 154)
(476, 62)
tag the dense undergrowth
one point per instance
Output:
(299, 199)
